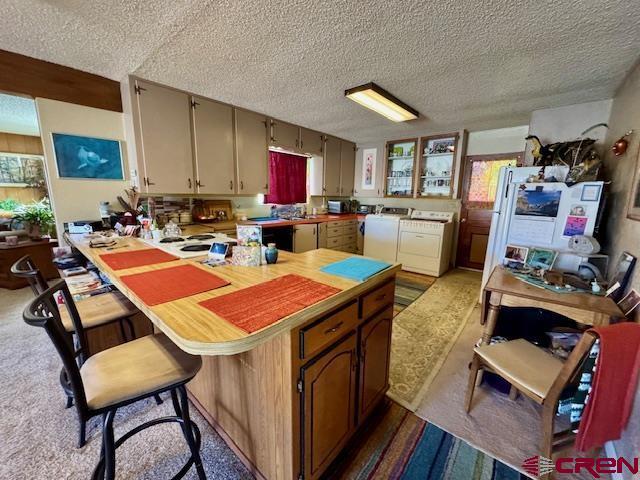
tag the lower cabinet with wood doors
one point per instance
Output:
(289, 406)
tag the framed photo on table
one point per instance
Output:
(633, 210)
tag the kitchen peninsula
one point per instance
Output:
(288, 397)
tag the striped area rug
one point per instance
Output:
(399, 445)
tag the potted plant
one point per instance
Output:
(36, 217)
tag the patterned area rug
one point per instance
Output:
(399, 445)
(425, 332)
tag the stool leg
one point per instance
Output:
(188, 432)
(158, 399)
(82, 438)
(109, 446)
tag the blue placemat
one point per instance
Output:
(355, 268)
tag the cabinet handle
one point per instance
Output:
(241, 185)
(198, 184)
(149, 182)
(333, 329)
(230, 184)
(189, 180)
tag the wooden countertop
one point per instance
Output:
(502, 281)
(199, 331)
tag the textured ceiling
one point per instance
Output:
(473, 64)
(18, 115)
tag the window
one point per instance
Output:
(21, 170)
(287, 178)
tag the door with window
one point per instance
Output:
(480, 183)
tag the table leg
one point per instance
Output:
(492, 317)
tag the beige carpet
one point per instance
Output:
(505, 429)
(425, 332)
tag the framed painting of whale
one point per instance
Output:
(87, 157)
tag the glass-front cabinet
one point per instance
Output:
(401, 155)
(436, 166)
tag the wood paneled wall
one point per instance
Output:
(13, 143)
(37, 78)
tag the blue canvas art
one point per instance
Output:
(87, 157)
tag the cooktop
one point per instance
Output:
(198, 247)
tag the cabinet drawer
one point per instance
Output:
(334, 242)
(350, 229)
(334, 231)
(323, 332)
(349, 239)
(350, 248)
(333, 224)
(349, 223)
(378, 298)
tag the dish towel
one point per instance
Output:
(609, 403)
(355, 268)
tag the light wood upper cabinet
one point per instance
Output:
(213, 142)
(251, 152)
(284, 135)
(328, 403)
(332, 154)
(165, 135)
(311, 142)
(347, 167)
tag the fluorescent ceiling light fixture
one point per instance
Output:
(380, 101)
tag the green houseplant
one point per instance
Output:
(37, 218)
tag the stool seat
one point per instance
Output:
(99, 310)
(521, 362)
(135, 369)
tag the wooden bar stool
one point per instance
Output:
(536, 374)
(120, 376)
(94, 311)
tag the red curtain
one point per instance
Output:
(287, 178)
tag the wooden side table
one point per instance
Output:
(504, 289)
(40, 253)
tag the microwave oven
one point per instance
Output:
(337, 206)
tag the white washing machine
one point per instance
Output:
(381, 233)
(424, 242)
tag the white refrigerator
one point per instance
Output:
(543, 215)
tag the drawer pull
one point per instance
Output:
(333, 329)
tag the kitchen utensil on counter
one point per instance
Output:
(171, 229)
(185, 217)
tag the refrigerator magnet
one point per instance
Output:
(591, 193)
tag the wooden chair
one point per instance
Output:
(536, 374)
(120, 376)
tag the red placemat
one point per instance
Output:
(168, 284)
(256, 307)
(136, 258)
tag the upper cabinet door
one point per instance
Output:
(284, 135)
(213, 141)
(311, 142)
(165, 134)
(332, 153)
(347, 167)
(368, 173)
(251, 152)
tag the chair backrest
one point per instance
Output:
(572, 367)
(43, 312)
(25, 268)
